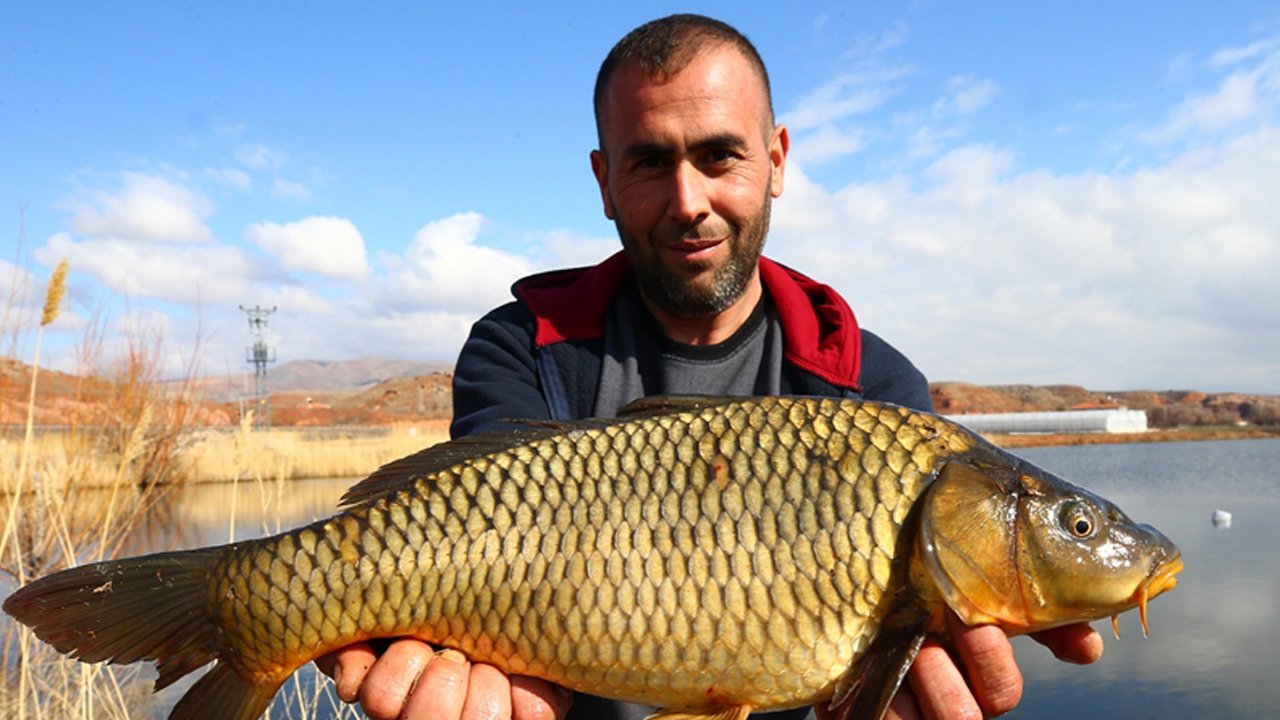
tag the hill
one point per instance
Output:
(375, 391)
(300, 376)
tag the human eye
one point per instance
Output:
(720, 157)
(648, 162)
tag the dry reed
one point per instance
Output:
(127, 438)
(113, 437)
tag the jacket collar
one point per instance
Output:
(819, 330)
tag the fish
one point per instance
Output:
(707, 556)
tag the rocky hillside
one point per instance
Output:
(381, 392)
(1166, 408)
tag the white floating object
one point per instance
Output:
(1221, 518)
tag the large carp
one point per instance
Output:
(707, 556)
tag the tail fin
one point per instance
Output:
(145, 608)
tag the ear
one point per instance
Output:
(779, 146)
(600, 168)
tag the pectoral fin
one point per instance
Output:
(869, 685)
(729, 712)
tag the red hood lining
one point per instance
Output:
(820, 332)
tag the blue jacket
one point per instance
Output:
(539, 357)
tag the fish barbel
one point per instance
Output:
(707, 556)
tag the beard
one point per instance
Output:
(691, 291)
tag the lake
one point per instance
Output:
(1215, 640)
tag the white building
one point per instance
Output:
(1117, 420)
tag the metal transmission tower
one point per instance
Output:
(260, 353)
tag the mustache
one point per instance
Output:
(699, 232)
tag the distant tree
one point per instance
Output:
(1264, 411)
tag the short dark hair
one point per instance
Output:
(667, 45)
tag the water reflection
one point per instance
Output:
(215, 513)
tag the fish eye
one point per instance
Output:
(1078, 520)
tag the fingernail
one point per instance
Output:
(452, 656)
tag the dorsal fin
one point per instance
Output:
(401, 474)
(665, 404)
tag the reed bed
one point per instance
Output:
(75, 495)
(299, 453)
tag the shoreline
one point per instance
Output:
(1189, 434)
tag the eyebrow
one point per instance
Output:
(718, 140)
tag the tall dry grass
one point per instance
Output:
(122, 432)
(129, 438)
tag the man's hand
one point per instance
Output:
(410, 678)
(936, 687)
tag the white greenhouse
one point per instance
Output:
(1116, 420)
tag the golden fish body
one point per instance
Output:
(644, 560)
(707, 555)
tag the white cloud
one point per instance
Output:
(856, 92)
(234, 178)
(260, 157)
(444, 267)
(1236, 100)
(186, 273)
(288, 189)
(827, 144)
(1234, 55)
(566, 248)
(927, 142)
(1249, 93)
(966, 95)
(15, 284)
(328, 246)
(987, 272)
(146, 208)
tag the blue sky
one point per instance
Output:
(1010, 192)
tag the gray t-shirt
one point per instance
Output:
(640, 361)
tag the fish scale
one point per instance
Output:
(706, 556)
(648, 588)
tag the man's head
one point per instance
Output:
(689, 162)
(665, 46)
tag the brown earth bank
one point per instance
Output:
(384, 398)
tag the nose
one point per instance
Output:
(690, 200)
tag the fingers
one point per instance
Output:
(903, 706)
(384, 690)
(990, 683)
(987, 656)
(488, 694)
(411, 680)
(534, 699)
(939, 687)
(348, 667)
(442, 688)
(1079, 643)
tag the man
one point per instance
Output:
(689, 161)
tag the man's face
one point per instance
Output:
(688, 170)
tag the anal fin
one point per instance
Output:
(865, 691)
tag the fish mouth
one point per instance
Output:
(1163, 577)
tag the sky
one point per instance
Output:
(1048, 193)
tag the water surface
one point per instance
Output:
(1214, 648)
